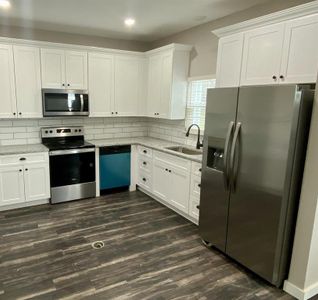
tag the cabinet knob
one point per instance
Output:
(112, 112)
(274, 77)
(198, 206)
(14, 113)
(22, 158)
(200, 170)
(169, 171)
(26, 169)
(144, 179)
(68, 84)
(20, 113)
(116, 112)
(20, 170)
(199, 185)
(144, 163)
(281, 76)
(63, 84)
(145, 151)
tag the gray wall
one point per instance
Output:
(70, 38)
(204, 55)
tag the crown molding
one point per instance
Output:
(174, 46)
(43, 44)
(280, 16)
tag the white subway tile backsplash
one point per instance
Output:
(13, 132)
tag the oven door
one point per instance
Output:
(72, 174)
(69, 167)
(65, 103)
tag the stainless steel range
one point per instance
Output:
(72, 163)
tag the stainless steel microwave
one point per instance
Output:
(65, 102)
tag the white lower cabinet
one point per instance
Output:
(36, 181)
(11, 185)
(24, 178)
(161, 180)
(166, 177)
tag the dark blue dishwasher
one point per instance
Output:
(114, 164)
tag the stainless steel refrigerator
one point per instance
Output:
(254, 151)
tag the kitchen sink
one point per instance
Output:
(185, 150)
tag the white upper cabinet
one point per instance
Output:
(300, 54)
(280, 48)
(228, 70)
(128, 75)
(262, 55)
(7, 84)
(76, 70)
(154, 85)
(28, 81)
(101, 84)
(168, 69)
(64, 69)
(53, 68)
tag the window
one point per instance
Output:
(196, 103)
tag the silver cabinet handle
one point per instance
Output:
(232, 158)
(226, 155)
(82, 102)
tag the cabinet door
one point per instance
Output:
(166, 82)
(154, 85)
(76, 70)
(179, 188)
(11, 185)
(101, 84)
(7, 85)
(28, 81)
(228, 71)
(127, 77)
(37, 182)
(161, 183)
(300, 56)
(262, 55)
(53, 68)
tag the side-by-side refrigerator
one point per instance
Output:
(254, 151)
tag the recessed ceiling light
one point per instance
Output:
(130, 22)
(5, 4)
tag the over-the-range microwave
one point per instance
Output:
(59, 102)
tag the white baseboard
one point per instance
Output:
(24, 204)
(299, 293)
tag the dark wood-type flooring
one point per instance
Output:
(150, 253)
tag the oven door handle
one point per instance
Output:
(71, 151)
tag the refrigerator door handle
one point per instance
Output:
(226, 155)
(234, 170)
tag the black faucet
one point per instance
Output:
(199, 144)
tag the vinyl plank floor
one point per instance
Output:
(150, 252)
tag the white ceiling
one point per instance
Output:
(154, 18)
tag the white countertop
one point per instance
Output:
(153, 143)
(19, 149)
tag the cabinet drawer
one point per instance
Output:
(144, 180)
(195, 186)
(145, 163)
(145, 151)
(173, 160)
(24, 158)
(196, 169)
(194, 211)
